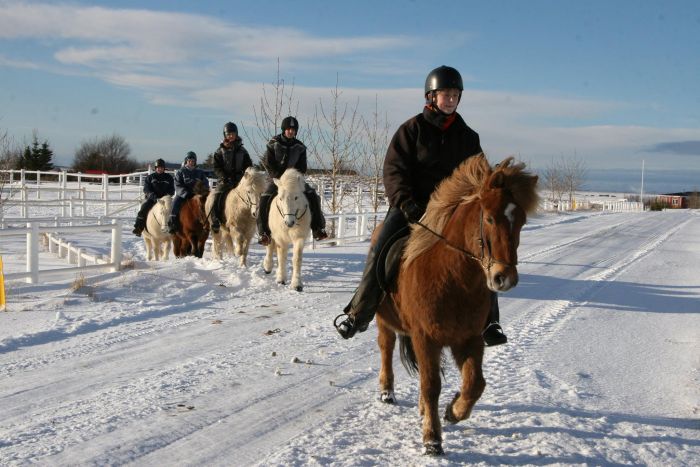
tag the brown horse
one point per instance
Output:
(194, 225)
(465, 248)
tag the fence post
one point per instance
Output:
(33, 252)
(24, 197)
(81, 258)
(105, 191)
(116, 256)
(38, 185)
(340, 233)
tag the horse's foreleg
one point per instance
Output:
(387, 341)
(167, 245)
(216, 246)
(297, 256)
(244, 246)
(469, 359)
(428, 359)
(149, 248)
(282, 263)
(155, 245)
(267, 262)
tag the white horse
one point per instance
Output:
(290, 222)
(241, 209)
(156, 237)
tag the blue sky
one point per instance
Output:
(610, 82)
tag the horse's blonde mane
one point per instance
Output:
(291, 180)
(464, 186)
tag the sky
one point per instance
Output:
(200, 362)
(609, 83)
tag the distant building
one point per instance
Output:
(674, 200)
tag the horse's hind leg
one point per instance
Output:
(387, 341)
(469, 359)
(428, 359)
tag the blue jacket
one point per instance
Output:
(185, 179)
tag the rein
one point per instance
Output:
(491, 259)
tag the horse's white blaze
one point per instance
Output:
(509, 214)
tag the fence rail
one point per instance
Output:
(73, 255)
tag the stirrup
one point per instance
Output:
(349, 326)
(264, 239)
(320, 235)
(494, 335)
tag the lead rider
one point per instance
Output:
(424, 151)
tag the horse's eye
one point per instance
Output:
(296, 198)
(489, 219)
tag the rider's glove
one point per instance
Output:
(411, 211)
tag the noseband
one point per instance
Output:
(296, 213)
(485, 262)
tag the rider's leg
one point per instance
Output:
(368, 295)
(264, 213)
(493, 334)
(318, 222)
(140, 222)
(173, 222)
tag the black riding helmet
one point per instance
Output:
(442, 77)
(230, 127)
(191, 155)
(290, 122)
(160, 163)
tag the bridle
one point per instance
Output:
(296, 215)
(247, 200)
(485, 262)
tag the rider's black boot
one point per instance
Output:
(493, 333)
(263, 220)
(173, 225)
(361, 309)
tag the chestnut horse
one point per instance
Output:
(465, 247)
(194, 225)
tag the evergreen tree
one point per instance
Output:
(36, 157)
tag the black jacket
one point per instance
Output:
(422, 154)
(158, 185)
(231, 162)
(283, 153)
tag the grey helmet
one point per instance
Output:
(159, 163)
(191, 155)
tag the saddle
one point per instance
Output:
(389, 262)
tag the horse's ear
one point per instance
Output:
(497, 180)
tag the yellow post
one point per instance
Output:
(2, 287)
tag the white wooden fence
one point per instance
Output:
(64, 249)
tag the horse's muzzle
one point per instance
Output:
(502, 279)
(290, 220)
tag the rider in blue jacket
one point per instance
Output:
(185, 179)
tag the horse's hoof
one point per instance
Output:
(449, 414)
(299, 288)
(267, 272)
(281, 282)
(388, 397)
(433, 449)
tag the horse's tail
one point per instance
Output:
(408, 355)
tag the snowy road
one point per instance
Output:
(194, 362)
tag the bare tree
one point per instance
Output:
(10, 154)
(108, 154)
(553, 181)
(275, 104)
(376, 132)
(335, 146)
(574, 173)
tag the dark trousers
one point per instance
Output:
(217, 209)
(177, 205)
(318, 221)
(143, 213)
(369, 293)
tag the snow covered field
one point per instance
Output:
(196, 362)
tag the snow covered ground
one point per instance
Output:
(198, 362)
